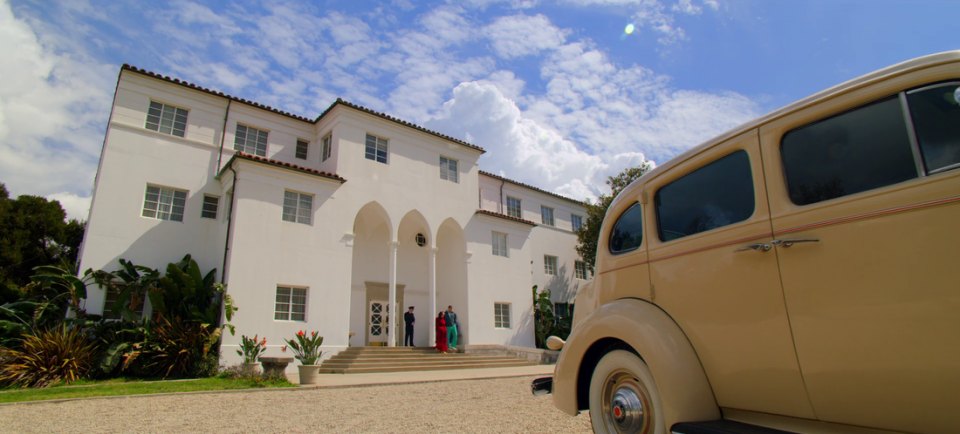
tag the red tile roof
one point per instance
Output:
(505, 217)
(578, 202)
(281, 164)
(339, 101)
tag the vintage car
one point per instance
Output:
(799, 273)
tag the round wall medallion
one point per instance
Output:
(421, 240)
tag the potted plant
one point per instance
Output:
(251, 349)
(306, 349)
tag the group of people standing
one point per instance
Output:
(448, 329)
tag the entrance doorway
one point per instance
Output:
(379, 326)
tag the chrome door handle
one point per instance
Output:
(759, 247)
(788, 243)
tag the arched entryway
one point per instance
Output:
(451, 274)
(414, 245)
(369, 295)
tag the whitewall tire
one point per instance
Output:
(624, 397)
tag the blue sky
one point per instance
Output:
(558, 92)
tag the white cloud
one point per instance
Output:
(76, 207)
(523, 35)
(53, 106)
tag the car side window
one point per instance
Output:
(935, 112)
(627, 233)
(715, 195)
(862, 149)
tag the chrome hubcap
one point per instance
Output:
(625, 404)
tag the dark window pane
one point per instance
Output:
(715, 195)
(856, 151)
(936, 119)
(627, 233)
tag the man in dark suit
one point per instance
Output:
(408, 320)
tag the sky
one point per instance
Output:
(561, 94)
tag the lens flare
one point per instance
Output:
(629, 29)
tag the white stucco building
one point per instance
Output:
(324, 224)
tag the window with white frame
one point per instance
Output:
(250, 140)
(550, 265)
(376, 149)
(164, 203)
(501, 315)
(210, 205)
(302, 147)
(576, 222)
(499, 244)
(448, 169)
(580, 270)
(167, 119)
(326, 144)
(546, 215)
(297, 207)
(291, 304)
(513, 207)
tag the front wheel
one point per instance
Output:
(623, 396)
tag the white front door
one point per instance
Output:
(379, 324)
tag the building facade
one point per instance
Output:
(327, 224)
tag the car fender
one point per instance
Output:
(657, 339)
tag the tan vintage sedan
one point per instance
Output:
(799, 273)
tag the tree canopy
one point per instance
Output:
(33, 232)
(589, 233)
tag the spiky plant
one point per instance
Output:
(58, 354)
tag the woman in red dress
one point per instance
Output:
(441, 334)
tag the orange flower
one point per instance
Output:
(301, 333)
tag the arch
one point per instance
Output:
(372, 236)
(451, 274)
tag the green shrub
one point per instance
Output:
(174, 349)
(59, 354)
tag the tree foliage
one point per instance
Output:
(589, 233)
(33, 232)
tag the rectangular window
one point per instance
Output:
(167, 119)
(135, 303)
(513, 207)
(297, 207)
(210, 205)
(576, 222)
(499, 244)
(546, 215)
(164, 203)
(250, 140)
(580, 270)
(376, 149)
(325, 147)
(448, 169)
(501, 315)
(935, 111)
(550, 265)
(713, 196)
(302, 147)
(856, 151)
(291, 304)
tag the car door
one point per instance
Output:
(714, 272)
(865, 204)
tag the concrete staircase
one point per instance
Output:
(355, 360)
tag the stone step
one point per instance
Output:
(400, 359)
(421, 367)
(430, 361)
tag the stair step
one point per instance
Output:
(422, 362)
(357, 369)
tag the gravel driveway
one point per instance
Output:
(502, 405)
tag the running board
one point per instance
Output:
(722, 427)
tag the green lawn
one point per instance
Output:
(116, 387)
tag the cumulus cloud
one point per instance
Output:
(53, 106)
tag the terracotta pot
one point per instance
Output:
(309, 373)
